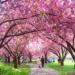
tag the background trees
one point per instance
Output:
(15, 48)
(60, 52)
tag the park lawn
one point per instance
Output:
(6, 69)
(63, 70)
(34, 62)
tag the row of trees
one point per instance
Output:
(54, 20)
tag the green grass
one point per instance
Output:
(64, 70)
(6, 69)
(34, 62)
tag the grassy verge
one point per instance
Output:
(6, 69)
(34, 62)
(64, 70)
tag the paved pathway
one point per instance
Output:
(42, 71)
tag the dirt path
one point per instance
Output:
(42, 71)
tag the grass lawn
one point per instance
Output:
(64, 70)
(6, 69)
(34, 62)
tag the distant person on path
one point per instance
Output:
(42, 61)
(39, 63)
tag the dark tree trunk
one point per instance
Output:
(8, 59)
(19, 61)
(62, 63)
(59, 60)
(5, 60)
(71, 51)
(15, 62)
(45, 58)
(30, 59)
(74, 64)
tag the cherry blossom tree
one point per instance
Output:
(16, 49)
(60, 52)
(60, 25)
(5, 56)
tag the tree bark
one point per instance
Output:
(8, 59)
(19, 63)
(5, 60)
(62, 63)
(30, 59)
(45, 58)
(15, 62)
(74, 64)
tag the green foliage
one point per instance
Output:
(8, 70)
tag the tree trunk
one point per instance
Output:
(73, 60)
(71, 52)
(30, 59)
(5, 60)
(8, 59)
(15, 62)
(19, 61)
(62, 63)
(74, 64)
(45, 58)
(59, 60)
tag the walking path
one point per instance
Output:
(42, 71)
